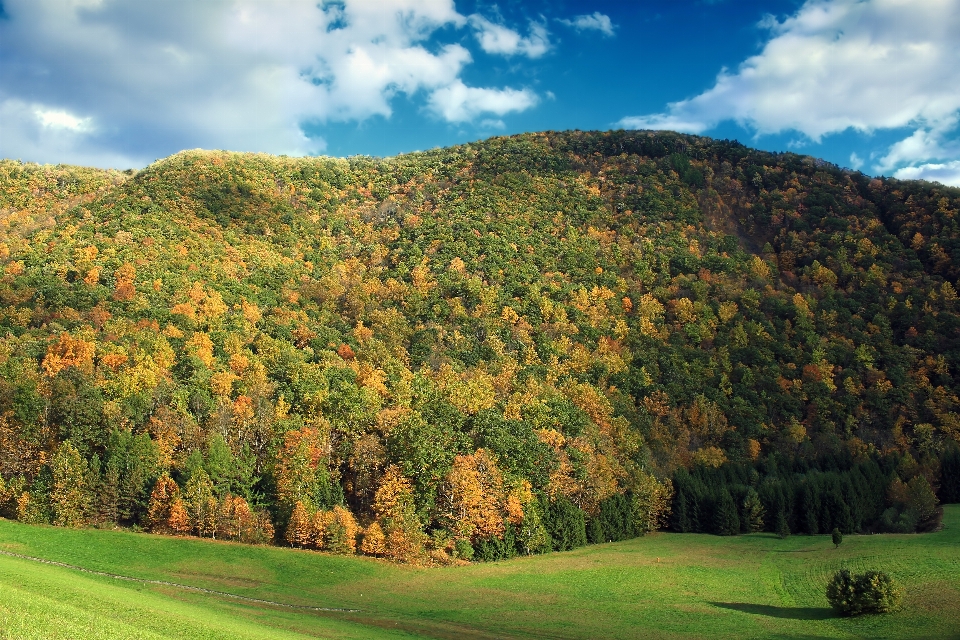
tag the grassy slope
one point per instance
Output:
(665, 585)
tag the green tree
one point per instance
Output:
(69, 497)
(726, 521)
(837, 538)
(869, 592)
(782, 527)
(752, 520)
(200, 503)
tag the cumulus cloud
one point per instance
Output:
(459, 103)
(120, 82)
(498, 39)
(838, 65)
(923, 144)
(595, 21)
(947, 173)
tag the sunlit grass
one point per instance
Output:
(664, 585)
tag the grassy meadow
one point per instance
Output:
(659, 586)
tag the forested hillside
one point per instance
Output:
(504, 347)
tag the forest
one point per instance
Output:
(519, 345)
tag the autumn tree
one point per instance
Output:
(179, 520)
(374, 542)
(395, 510)
(200, 503)
(69, 497)
(300, 531)
(472, 497)
(164, 493)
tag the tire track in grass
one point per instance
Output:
(177, 585)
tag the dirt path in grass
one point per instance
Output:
(178, 585)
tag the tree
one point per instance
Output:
(531, 535)
(69, 497)
(837, 538)
(921, 499)
(651, 502)
(374, 542)
(472, 497)
(200, 503)
(341, 534)
(179, 519)
(300, 528)
(950, 475)
(782, 528)
(394, 507)
(869, 592)
(165, 491)
(752, 520)
(726, 521)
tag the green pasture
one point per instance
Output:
(659, 586)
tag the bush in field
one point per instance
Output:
(870, 592)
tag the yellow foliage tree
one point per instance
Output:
(299, 528)
(472, 497)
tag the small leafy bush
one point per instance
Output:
(870, 592)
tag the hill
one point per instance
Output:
(661, 586)
(504, 347)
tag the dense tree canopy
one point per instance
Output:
(502, 347)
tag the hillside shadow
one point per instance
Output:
(790, 613)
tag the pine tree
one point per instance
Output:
(808, 511)
(782, 528)
(106, 494)
(680, 518)
(752, 512)
(726, 521)
(950, 475)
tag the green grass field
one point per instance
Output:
(660, 586)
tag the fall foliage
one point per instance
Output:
(504, 347)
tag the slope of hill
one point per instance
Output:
(661, 586)
(501, 347)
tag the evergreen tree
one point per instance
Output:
(726, 521)
(752, 520)
(950, 475)
(680, 517)
(837, 538)
(808, 511)
(782, 528)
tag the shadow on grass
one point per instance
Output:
(791, 613)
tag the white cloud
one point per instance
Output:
(595, 21)
(492, 123)
(838, 65)
(99, 81)
(498, 39)
(855, 161)
(35, 132)
(459, 103)
(947, 173)
(60, 119)
(923, 144)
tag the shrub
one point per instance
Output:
(870, 592)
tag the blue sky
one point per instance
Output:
(867, 84)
